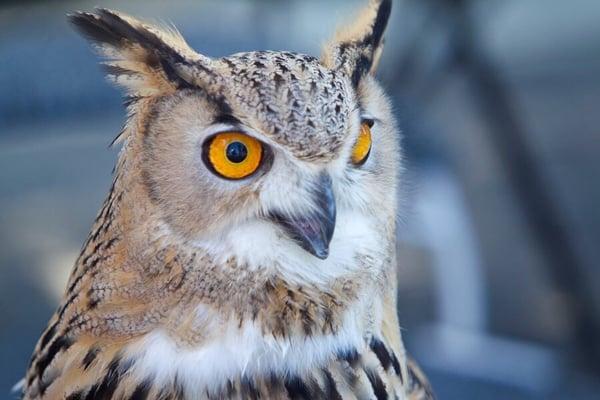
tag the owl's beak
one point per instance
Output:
(313, 231)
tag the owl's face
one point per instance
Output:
(263, 146)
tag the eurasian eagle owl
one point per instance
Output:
(247, 246)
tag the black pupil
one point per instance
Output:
(236, 152)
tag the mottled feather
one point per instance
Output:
(186, 287)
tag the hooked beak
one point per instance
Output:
(313, 231)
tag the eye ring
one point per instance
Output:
(232, 155)
(362, 147)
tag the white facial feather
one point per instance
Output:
(262, 244)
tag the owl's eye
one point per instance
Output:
(362, 147)
(233, 155)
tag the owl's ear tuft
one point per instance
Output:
(356, 48)
(142, 58)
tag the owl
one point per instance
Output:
(246, 248)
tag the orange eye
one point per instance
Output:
(234, 155)
(362, 147)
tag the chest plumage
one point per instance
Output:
(247, 246)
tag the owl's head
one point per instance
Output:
(264, 146)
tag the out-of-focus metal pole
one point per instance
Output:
(492, 98)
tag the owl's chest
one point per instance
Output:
(229, 350)
(367, 370)
(237, 360)
(373, 373)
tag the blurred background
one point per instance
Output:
(500, 235)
